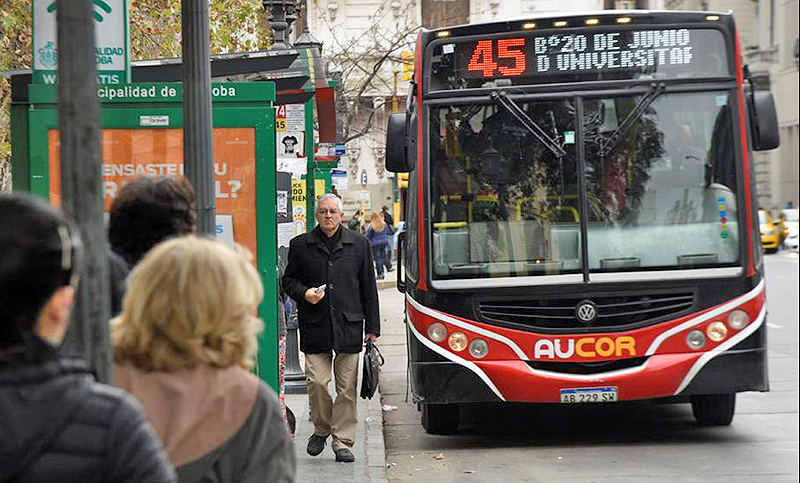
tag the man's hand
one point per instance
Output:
(313, 296)
(371, 337)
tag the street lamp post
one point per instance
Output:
(282, 14)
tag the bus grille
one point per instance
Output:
(588, 367)
(613, 312)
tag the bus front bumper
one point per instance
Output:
(435, 379)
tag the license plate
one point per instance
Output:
(589, 395)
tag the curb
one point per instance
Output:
(374, 446)
(382, 284)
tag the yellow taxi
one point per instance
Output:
(770, 237)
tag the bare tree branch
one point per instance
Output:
(363, 61)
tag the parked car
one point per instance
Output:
(789, 220)
(770, 238)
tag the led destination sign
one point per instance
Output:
(556, 57)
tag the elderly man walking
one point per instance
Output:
(330, 276)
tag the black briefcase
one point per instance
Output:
(373, 360)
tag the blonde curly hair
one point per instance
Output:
(190, 301)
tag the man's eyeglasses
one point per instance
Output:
(328, 212)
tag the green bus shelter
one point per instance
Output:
(142, 135)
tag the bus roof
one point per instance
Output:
(637, 16)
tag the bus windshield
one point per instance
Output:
(659, 177)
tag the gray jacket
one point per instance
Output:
(252, 454)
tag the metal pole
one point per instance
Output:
(294, 376)
(82, 196)
(197, 125)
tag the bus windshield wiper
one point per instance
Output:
(652, 94)
(522, 117)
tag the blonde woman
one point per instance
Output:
(379, 235)
(183, 345)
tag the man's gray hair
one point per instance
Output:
(328, 196)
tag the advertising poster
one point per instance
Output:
(299, 206)
(339, 180)
(290, 144)
(319, 188)
(129, 154)
(296, 167)
(295, 117)
(283, 202)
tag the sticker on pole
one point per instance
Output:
(154, 120)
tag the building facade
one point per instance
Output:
(364, 41)
(768, 36)
(363, 44)
(773, 60)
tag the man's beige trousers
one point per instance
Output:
(335, 418)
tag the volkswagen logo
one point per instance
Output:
(586, 311)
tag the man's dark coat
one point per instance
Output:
(351, 297)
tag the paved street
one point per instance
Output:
(622, 443)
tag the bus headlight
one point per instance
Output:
(478, 348)
(437, 332)
(716, 331)
(457, 341)
(696, 339)
(738, 319)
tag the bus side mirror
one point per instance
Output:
(397, 143)
(763, 121)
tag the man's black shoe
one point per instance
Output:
(345, 455)
(315, 444)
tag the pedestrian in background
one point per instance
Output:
(56, 423)
(184, 345)
(147, 211)
(355, 222)
(380, 236)
(387, 217)
(330, 276)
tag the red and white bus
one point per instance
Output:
(580, 218)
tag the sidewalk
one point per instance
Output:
(370, 464)
(369, 450)
(390, 280)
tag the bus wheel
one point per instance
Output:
(714, 409)
(440, 418)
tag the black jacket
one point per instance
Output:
(57, 424)
(351, 298)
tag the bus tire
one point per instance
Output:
(440, 418)
(714, 409)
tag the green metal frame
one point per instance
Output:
(249, 112)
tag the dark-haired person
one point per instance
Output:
(389, 219)
(147, 211)
(56, 423)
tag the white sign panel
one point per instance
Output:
(225, 229)
(110, 34)
(295, 117)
